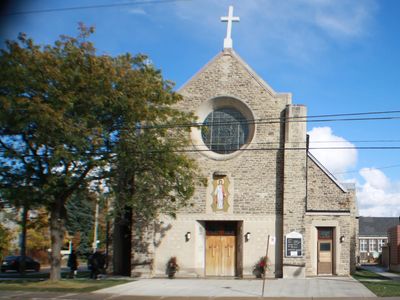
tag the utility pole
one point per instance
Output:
(96, 226)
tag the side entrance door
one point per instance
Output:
(325, 251)
(220, 249)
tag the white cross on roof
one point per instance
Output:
(230, 18)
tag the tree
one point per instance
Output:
(80, 220)
(38, 237)
(66, 113)
(53, 130)
(5, 240)
(150, 174)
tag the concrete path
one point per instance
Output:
(382, 271)
(309, 287)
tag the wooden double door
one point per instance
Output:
(221, 249)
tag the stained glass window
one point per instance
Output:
(225, 130)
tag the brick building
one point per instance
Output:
(394, 248)
(261, 182)
(373, 235)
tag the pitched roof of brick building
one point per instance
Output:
(376, 226)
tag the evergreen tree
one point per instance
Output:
(80, 220)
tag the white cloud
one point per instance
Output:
(137, 11)
(378, 196)
(301, 28)
(346, 20)
(324, 141)
(375, 178)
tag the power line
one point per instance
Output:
(356, 114)
(289, 149)
(47, 10)
(195, 148)
(278, 120)
(357, 141)
(377, 168)
(240, 149)
(254, 122)
(310, 142)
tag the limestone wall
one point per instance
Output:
(294, 185)
(255, 174)
(191, 253)
(272, 183)
(323, 193)
(344, 226)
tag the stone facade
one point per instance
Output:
(272, 186)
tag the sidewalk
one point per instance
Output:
(382, 271)
(301, 288)
(6, 295)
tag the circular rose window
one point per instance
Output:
(225, 130)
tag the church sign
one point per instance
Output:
(294, 244)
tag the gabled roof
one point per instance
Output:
(376, 226)
(251, 72)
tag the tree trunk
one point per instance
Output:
(122, 243)
(57, 230)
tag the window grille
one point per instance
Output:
(363, 246)
(225, 130)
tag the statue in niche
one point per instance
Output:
(220, 194)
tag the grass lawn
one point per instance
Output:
(384, 288)
(40, 282)
(379, 285)
(64, 274)
(64, 285)
(367, 275)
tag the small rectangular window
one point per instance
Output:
(325, 233)
(381, 243)
(325, 247)
(373, 245)
(363, 246)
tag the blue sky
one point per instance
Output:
(334, 56)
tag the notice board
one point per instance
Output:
(294, 244)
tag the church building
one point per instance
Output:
(266, 195)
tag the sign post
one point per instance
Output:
(265, 266)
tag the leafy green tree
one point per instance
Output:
(67, 112)
(53, 126)
(150, 174)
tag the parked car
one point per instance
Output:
(13, 263)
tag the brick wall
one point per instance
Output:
(394, 243)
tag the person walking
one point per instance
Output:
(96, 264)
(72, 263)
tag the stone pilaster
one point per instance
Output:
(294, 185)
